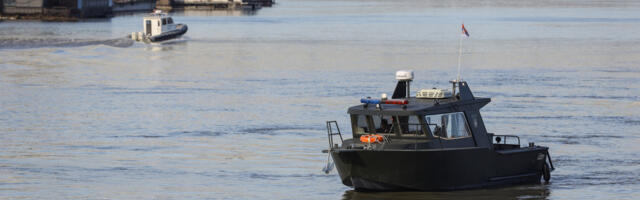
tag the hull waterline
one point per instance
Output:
(428, 170)
(170, 34)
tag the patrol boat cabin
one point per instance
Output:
(433, 141)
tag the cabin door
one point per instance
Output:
(147, 27)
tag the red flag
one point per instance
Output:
(464, 31)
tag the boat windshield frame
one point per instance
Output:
(412, 126)
(398, 125)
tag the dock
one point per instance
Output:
(212, 4)
(73, 10)
(69, 10)
(120, 6)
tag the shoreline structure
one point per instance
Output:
(74, 10)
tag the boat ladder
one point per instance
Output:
(331, 132)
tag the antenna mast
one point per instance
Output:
(464, 33)
(459, 57)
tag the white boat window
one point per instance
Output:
(449, 125)
(164, 21)
(169, 20)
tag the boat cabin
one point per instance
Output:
(434, 118)
(157, 23)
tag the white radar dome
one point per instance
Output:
(404, 75)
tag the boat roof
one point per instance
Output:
(417, 106)
(155, 15)
(423, 106)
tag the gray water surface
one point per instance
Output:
(236, 108)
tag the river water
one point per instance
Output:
(236, 109)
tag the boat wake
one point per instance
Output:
(179, 40)
(25, 43)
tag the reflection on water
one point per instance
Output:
(517, 192)
(236, 108)
(166, 45)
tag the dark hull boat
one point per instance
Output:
(461, 168)
(179, 31)
(434, 141)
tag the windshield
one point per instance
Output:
(449, 125)
(387, 124)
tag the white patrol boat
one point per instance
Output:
(157, 27)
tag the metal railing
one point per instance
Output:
(331, 133)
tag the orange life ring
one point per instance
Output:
(371, 138)
(379, 138)
(365, 138)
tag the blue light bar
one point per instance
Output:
(370, 101)
(378, 101)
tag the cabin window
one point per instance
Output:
(359, 124)
(449, 125)
(382, 124)
(147, 27)
(164, 21)
(169, 20)
(371, 124)
(387, 124)
(410, 125)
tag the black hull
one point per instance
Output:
(438, 169)
(170, 34)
